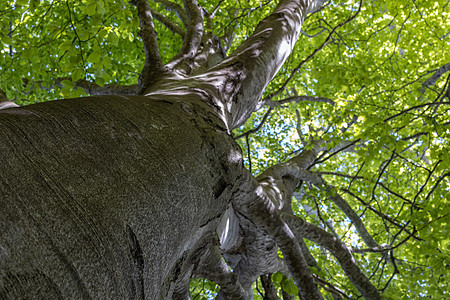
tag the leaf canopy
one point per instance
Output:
(386, 72)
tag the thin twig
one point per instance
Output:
(171, 25)
(329, 287)
(297, 99)
(415, 107)
(247, 133)
(249, 154)
(382, 215)
(90, 88)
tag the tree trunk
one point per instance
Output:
(123, 196)
(107, 197)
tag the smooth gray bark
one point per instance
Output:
(106, 197)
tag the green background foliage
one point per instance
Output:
(374, 68)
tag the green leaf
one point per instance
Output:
(22, 2)
(277, 277)
(289, 287)
(293, 289)
(95, 57)
(65, 45)
(106, 77)
(314, 270)
(91, 8)
(5, 39)
(67, 84)
(34, 4)
(77, 74)
(107, 62)
(100, 81)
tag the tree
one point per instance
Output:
(142, 190)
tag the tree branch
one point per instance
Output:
(343, 255)
(264, 212)
(315, 51)
(211, 51)
(181, 292)
(316, 34)
(271, 103)
(346, 146)
(153, 64)
(381, 249)
(264, 119)
(260, 57)
(253, 201)
(90, 88)
(253, 253)
(330, 288)
(214, 268)
(177, 9)
(171, 25)
(291, 169)
(415, 107)
(295, 166)
(353, 216)
(436, 184)
(269, 288)
(436, 75)
(382, 215)
(185, 58)
(5, 102)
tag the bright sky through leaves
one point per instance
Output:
(386, 71)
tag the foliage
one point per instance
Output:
(377, 70)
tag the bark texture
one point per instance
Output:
(107, 197)
(130, 196)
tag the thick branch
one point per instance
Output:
(263, 54)
(178, 9)
(355, 219)
(211, 51)
(264, 213)
(269, 288)
(255, 203)
(5, 102)
(215, 269)
(192, 39)
(297, 168)
(437, 74)
(316, 50)
(259, 257)
(153, 63)
(181, 293)
(337, 249)
(307, 254)
(382, 248)
(342, 204)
